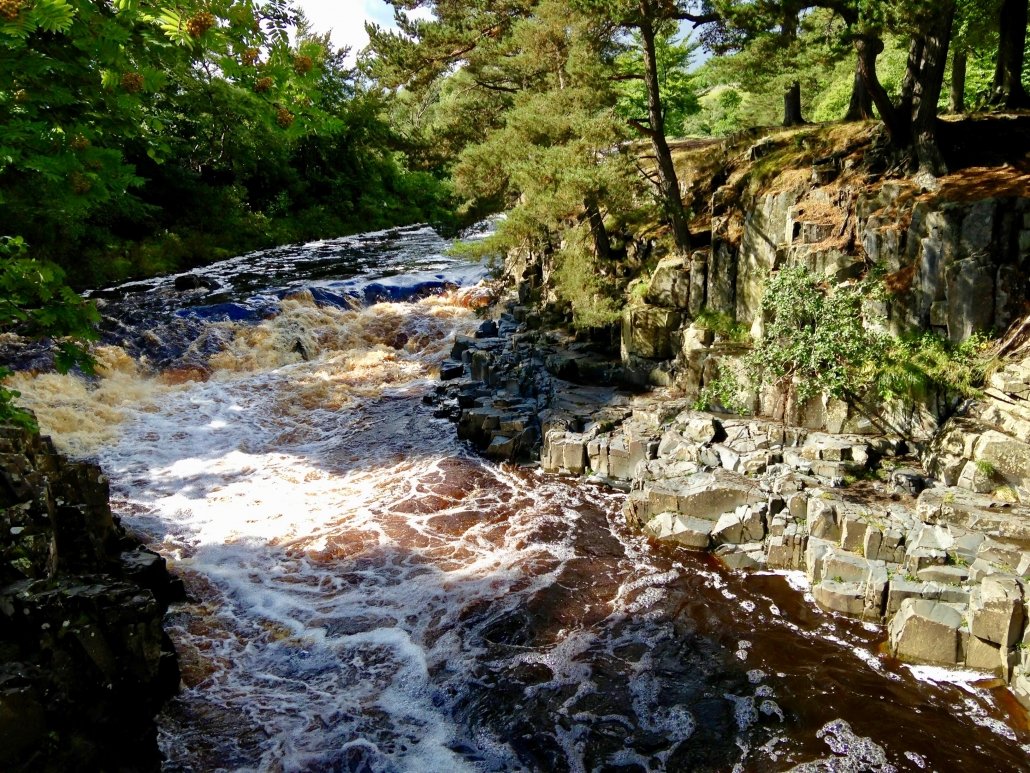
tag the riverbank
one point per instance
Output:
(85, 663)
(943, 569)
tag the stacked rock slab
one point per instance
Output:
(986, 448)
(84, 662)
(945, 569)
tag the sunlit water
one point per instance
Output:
(368, 595)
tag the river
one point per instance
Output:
(366, 594)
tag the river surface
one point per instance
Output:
(369, 595)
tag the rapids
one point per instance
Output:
(368, 595)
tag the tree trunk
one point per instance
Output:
(928, 89)
(861, 106)
(792, 105)
(668, 184)
(1008, 90)
(957, 101)
(898, 123)
(912, 70)
(602, 245)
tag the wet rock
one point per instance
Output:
(927, 632)
(451, 370)
(746, 556)
(1021, 672)
(564, 452)
(851, 584)
(186, 282)
(693, 533)
(461, 345)
(86, 662)
(984, 655)
(487, 329)
(848, 598)
(502, 447)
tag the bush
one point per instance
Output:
(35, 302)
(821, 340)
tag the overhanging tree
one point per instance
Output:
(1008, 90)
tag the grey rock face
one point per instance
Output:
(928, 632)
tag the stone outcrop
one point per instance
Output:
(985, 449)
(942, 567)
(956, 265)
(936, 545)
(84, 661)
(944, 570)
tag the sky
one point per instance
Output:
(346, 19)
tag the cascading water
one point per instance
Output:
(367, 595)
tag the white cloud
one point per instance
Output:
(346, 19)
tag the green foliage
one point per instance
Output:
(35, 302)
(148, 137)
(914, 364)
(986, 468)
(723, 325)
(591, 296)
(678, 89)
(822, 340)
(529, 124)
(815, 340)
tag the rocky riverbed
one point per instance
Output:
(943, 568)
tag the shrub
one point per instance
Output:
(821, 340)
(35, 302)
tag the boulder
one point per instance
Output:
(853, 533)
(983, 655)
(693, 533)
(705, 495)
(996, 610)
(848, 598)
(815, 551)
(750, 555)
(745, 524)
(927, 632)
(901, 588)
(948, 575)
(670, 284)
(84, 662)
(787, 550)
(823, 521)
(1007, 458)
(647, 332)
(852, 584)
